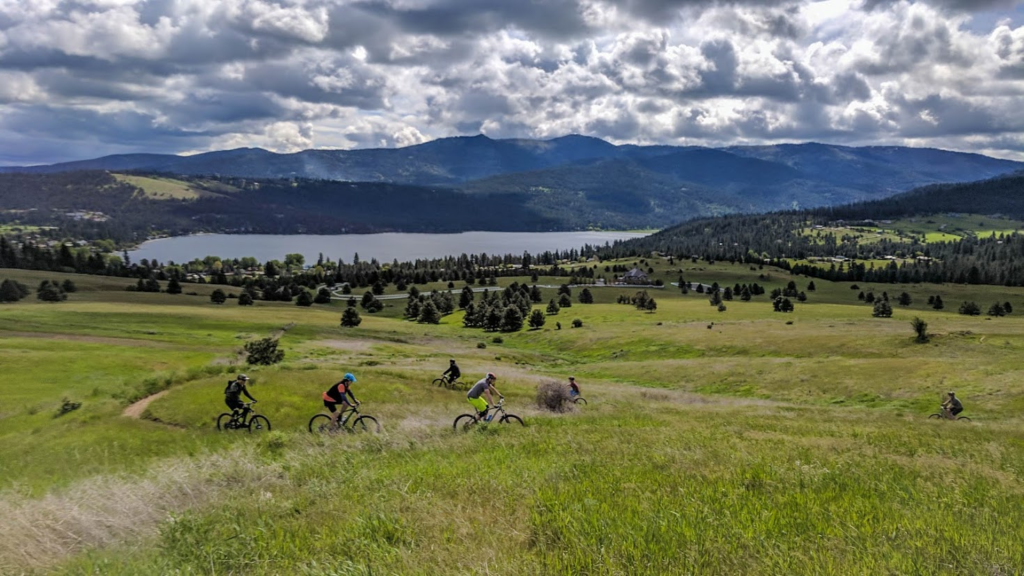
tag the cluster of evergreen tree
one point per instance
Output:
(429, 308)
(12, 290)
(504, 311)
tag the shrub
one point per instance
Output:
(721, 308)
(970, 309)
(304, 299)
(69, 286)
(263, 352)
(497, 340)
(350, 318)
(481, 345)
(553, 396)
(245, 299)
(577, 323)
(218, 296)
(882, 309)
(12, 291)
(51, 292)
(920, 328)
(996, 310)
(67, 406)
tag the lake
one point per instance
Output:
(383, 247)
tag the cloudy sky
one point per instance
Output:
(84, 78)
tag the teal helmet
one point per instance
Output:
(350, 377)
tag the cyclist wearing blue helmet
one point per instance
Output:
(336, 395)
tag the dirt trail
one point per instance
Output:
(135, 410)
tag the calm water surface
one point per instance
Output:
(383, 247)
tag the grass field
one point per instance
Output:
(735, 442)
(157, 188)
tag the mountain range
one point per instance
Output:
(575, 181)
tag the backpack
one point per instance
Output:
(227, 389)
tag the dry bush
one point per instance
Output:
(554, 396)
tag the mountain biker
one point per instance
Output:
(574, 388)
(453, 371)
(952, 405)
(482, 387)
(336, 395)
(233, 393)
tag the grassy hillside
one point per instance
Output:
(743, 441)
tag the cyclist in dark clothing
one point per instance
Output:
(452, 372)
(952, 405)
(233, 394)
(336, 394)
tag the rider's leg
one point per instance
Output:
(479, 406)
(332, 407)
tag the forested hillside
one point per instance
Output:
(852, 238)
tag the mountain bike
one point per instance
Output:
(466, 422)
(579, 400)
(447, 382)
(946, 416)
(252, 421)
(321, 423)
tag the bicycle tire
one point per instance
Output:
(320, 424)
(223, 421)
(366, 425)
(259, 424)
(934, 416)
(580, 400)
(439, 382)
(511, 418)
(958, 418)
(464, 423)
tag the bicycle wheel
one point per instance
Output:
(224, 422)
(464, 423)
(965, 418)
(934, 416)
(320, 424)
(439, 382)
(365, 424)
(512, 419)
(259, 424)
(580, 400)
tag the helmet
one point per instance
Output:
(572, 377)
(951, 393)
(452, 361)
(491, 376)
(243, 377)
(350, 377)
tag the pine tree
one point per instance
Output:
(304, 299)
(537, 319)
(512, 320)
(323, 296)
(350, 318)
(553, 307)
(245, 299)
(429, 313)
(173, 286)
(586, 297)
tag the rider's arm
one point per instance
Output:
(245, 390)
(495, 391)
(349, 392)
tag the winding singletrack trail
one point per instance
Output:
(135, 410)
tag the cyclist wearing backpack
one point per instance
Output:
(233, 394)
(336, 394)
(452, 372)
(952, 406)
(482, 387)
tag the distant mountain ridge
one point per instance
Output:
(579, 182)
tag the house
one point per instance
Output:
(635, 276)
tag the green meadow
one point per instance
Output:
(737, 442)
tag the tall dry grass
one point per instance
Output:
(36, 533)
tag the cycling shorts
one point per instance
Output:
(956, 410)
(479, 403)
(332, 406)
(234, 402)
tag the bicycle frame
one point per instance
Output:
(237, 414)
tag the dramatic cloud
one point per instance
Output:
(81, 78)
